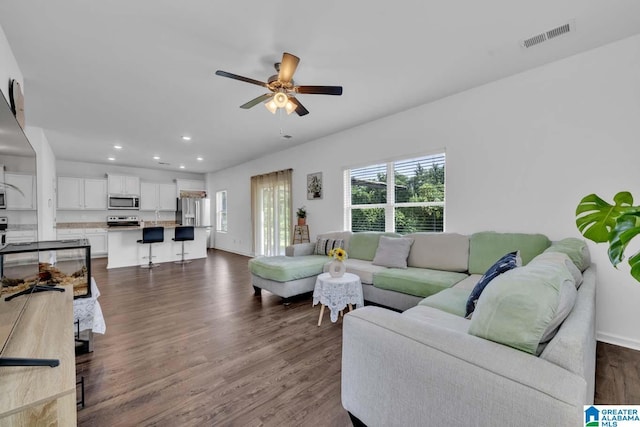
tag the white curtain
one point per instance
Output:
(271, 212)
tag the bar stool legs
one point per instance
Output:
(182, 260)
(150, 264)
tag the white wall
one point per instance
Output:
(521, 153)
(8, 66)
(45, 183)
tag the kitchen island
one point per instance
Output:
(125, 251)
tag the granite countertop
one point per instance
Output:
(68, 225)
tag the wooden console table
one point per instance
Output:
(40, 395)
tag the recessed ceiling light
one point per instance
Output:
(117, 147)
(186, 138)
(111, 158)
(156, 157)
(181, 166)
(199, 159)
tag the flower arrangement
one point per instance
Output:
(338, 254)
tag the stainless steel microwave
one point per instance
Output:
(123, 202)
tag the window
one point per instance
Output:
(221, 210)
(271, 212)
(403, 196)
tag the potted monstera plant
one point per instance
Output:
(615, 224)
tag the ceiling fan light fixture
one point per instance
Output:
(271, 106)
(280, 99)
(290, 107)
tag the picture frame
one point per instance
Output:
(314, 186)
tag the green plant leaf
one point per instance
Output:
(596, 218)
(627, 227)
(634, 262)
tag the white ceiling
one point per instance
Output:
(140, 73)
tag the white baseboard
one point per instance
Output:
(618, 340)
(233, 251)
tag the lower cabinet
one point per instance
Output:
(97, 238)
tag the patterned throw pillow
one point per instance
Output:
(506, 263)
(323, 246)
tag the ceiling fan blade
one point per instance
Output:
(241, 78)
(300, 110)
(288, 67)
(256, 101)
(319, 90)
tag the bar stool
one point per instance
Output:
(183, 234)
(151, 235)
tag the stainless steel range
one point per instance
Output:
(123, 221)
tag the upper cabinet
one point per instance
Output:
(20, 191)
(82, 193)
(124, 184)
(161, 197)
(189, 185)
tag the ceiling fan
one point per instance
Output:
(282, 88)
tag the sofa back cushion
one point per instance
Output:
(439, 251)
(487, 247)
(363, 245)
(576, 249)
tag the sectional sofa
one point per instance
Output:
(525, 356)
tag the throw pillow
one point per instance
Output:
(506, 263)
(323, 246)
(525, 306)
(560, 258)
(392, 252)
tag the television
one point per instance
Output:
(183, 233)
(153, 234)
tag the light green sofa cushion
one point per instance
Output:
(421, 282)
(576, 249)
(452, 300)
(487, 247)
(524, 305)
(284, 269)
(363, 245)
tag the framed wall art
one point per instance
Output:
(314, 186)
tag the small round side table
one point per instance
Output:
(336, 293)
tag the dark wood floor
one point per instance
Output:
(191, 345)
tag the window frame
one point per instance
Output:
(220, 227)
(390, 205)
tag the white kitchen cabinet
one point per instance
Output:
(95, 194)
(21, 236)
(148, 196)
(189, 184)
(124, 184)
(167, 197)
(161, 197)
(82, 193)
(70, 192)
(23, 199)
(97, 238)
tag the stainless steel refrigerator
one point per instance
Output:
(194, 211)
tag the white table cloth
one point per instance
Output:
(89, 312)
(337, 292)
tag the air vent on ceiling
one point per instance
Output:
(548, 35)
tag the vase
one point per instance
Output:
(302, 221)
(337, 268)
